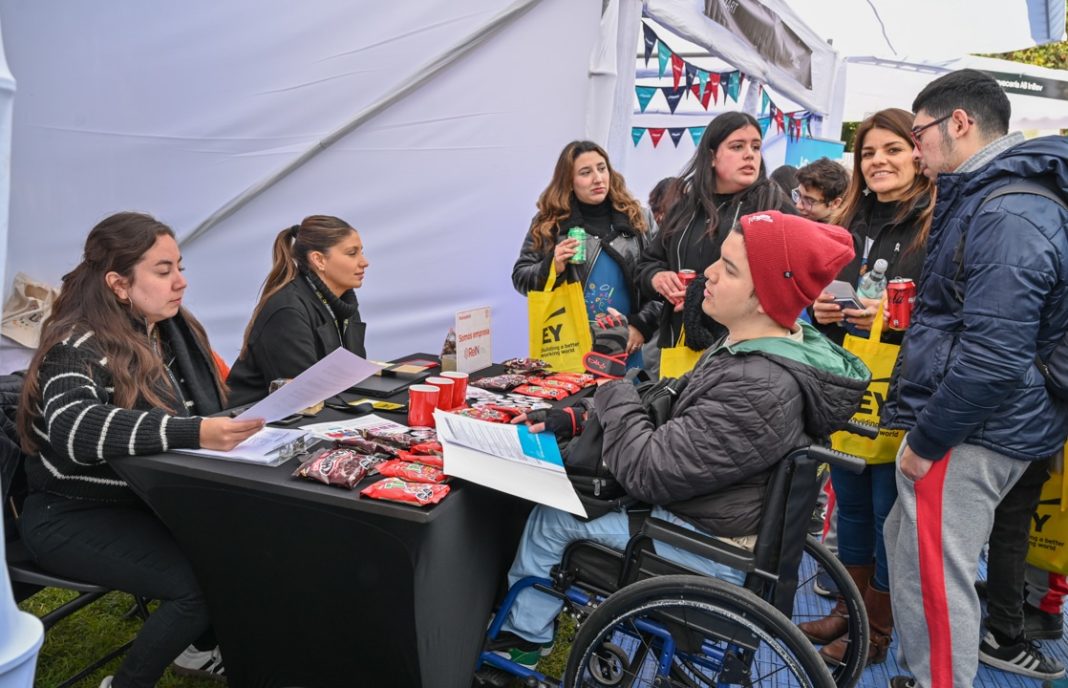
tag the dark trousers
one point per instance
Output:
(126, 548)
(863, 502)
(1008, 550)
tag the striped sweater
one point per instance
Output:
(80, 430)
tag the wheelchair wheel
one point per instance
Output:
(817, 555)
(690, 631)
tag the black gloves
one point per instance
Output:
(609, 356)
(565, 423)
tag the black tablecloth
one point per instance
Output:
(310, 585)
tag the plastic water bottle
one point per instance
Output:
(873, 283)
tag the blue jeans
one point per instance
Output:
(548, 533)
(863, 503)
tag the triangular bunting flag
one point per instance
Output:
(656, 135)
(777, 116)
(696, 133)
(673, 95)
(808, 127)
(645, 94)
(676, 68)
(764, 101)
(676, 134)
(713, 86)
(709, 90)
(764, 123)
(636, 134)
(664, 54)
(691, 74)
(734, 85)
(702, 76)
(650, 42)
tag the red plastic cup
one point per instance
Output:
(459, 388)
(446, 386)
(422, 399)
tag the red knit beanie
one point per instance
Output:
(792, 260)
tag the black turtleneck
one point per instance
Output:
(342, 307)
(597, 219)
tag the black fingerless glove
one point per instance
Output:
(609, 356)
(565, 423)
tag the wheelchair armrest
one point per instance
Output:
(853, 464)
(692, 541)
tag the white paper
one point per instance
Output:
(343, 429)
(523, 476)
(335, 373)
(263, 448)
(474, 340)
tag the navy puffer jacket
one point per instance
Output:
(967, 369)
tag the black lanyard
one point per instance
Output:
(344, 325)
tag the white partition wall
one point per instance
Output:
(181, 109)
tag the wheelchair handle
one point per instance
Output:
(863, 428)
(853, 464)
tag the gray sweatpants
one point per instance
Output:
(934, 538)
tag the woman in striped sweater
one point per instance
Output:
(122, 369)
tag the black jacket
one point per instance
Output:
(293, 331)
(743, 409)
(692, 248)
(621, 242)
(891, 241)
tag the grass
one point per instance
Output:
(88, 634)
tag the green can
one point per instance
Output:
(580, 234)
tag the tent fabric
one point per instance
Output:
(140, 106)
(7, 96)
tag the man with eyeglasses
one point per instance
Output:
(821, 187)
(980, 423)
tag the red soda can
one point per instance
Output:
(901, 294)
(686, 276)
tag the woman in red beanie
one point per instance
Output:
(888, 210)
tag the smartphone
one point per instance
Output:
(288, 420)
(845, 295)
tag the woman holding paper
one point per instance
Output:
(122, 369)
(307, 307)
(586, 192)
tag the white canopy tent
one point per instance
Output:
(432, 131)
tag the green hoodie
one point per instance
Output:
(815, 350)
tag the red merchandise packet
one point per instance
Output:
(433, 460)
(542, 392)
(341, 467)
(411, 471)
(396, 490)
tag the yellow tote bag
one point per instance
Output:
(1049, 525)
(676, 361)
(879, 358)
(559, 326)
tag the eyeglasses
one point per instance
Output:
(806, 202)
(916, 132)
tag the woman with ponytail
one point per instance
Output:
(307, 307)
(122, 369)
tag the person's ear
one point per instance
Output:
(118, 285)
(317, 260)
(960, 123)
(834, 205)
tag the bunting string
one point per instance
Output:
(687, 78)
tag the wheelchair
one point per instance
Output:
(646, 621)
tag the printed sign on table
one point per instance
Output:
(474, 339)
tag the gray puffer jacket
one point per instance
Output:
(744, 408)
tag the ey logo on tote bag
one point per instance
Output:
(559, 327)
(879, 358)
(676, 361)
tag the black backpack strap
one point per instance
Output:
(1024, 186)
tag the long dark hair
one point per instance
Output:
(87, 304)
(699, 177)
(899, 123)
(554, 204)
(291, 248)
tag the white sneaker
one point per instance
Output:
(194, 662)
(106, 683)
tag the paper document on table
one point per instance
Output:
(270, 447)
(345, 429)
(335, 373)
(508, 458)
